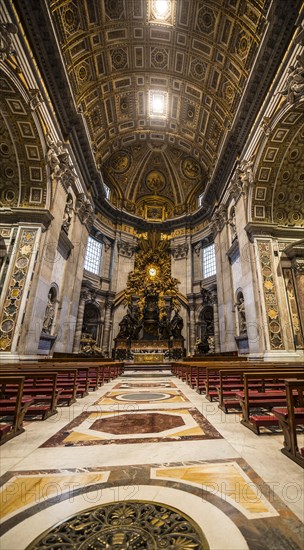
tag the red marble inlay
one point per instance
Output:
(137, 424)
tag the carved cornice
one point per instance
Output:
(26, 215)
(295, 249)
(262, 230)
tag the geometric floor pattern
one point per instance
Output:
(129, 426)
(170, 474)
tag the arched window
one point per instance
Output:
(93, 256)
(209, 266)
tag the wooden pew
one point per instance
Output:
(12, 409)
(42, 388)
(232, 381)
(290, 417)
(210, 381)
(252, 399)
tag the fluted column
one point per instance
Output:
(79, 322)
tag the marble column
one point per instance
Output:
(192, 329)
(217, 344)
(107, 326)
(79, 322)
(298, 267)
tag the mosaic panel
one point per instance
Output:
(270, 295)
(15, 290)
(130, 425)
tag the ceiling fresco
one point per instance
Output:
(159, 84)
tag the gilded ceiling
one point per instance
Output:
(160, 84)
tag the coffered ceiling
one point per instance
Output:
(167, 90)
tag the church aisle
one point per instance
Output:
(157, 466)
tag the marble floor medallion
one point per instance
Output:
(140, 385)
(135, 525)
(142, 396)
(134, 426)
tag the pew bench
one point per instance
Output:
(290, 417)
(42, 388)
(231, 382)
(13, 410)
(252, 401)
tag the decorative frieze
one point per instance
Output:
(180, 251)
(126, 249)
(84, 210)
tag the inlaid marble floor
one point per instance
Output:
(146, 462)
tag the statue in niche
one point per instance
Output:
(49, 312)
(232, 224)
(67, 217)
(177, 324)
(241, 314)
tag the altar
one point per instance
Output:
(148, 357)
